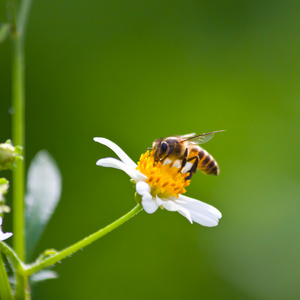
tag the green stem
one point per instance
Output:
(23, 17)
(5, 290)
(18, 139)
(19, 269)
(81, 244)
(18, 24)
(22, 288)
(13, 257)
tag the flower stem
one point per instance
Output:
(5, 290)
(21, 278)
(22, 288)
(81, 244)
(23, 17)
(18, 139)
(18, 24)
(17, 264)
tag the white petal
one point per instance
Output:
(171, 205)
(200, 212)
(142, 188)
(117, 164)
(114, 147)
(186, 213)
(149, 204)
(194, 203)
(167, 204)
(4, 236)
(204, 220)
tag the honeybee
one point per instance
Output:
(184, 153)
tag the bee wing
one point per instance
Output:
(187, 136)
(202, 138)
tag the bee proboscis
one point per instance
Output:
(187, 151)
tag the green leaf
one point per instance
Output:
(42, 275)
(4, 32)
(43, 194)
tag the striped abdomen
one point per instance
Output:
(207, 164)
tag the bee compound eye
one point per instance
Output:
(163, 147)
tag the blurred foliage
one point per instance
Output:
(133, 71)
(43, 194)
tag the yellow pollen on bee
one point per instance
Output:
(164, 180)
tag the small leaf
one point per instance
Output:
(4, 32)
(43, 194)
(43, 275)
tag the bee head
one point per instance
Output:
(161, 149)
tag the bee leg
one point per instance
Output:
(188, 160)
(184, 160)
(193, 168)
(155, 157)
(192, 158)
(149, 148)
(163, 159)
(182, 165)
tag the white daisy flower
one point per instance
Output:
(160, 185)
(4, 236)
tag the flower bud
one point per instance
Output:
(8, 155)
(4, 185)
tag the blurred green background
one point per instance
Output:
(133, 71)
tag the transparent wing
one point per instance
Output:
(187, 136)
(202, 138)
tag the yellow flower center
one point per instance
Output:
(164, 180)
